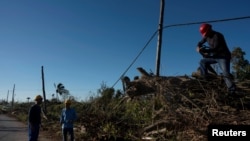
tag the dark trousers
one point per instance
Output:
(67, 131)
(33, 132)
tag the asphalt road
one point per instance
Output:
(14, 130)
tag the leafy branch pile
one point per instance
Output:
(180, 108)
(174, 108)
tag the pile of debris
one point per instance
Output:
(190, 104)
(185, 85)
(183, 107)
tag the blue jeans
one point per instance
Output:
(33, 132)
(65, 133)
(224, 65)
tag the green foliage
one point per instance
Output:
(110, 115)
(54, 111)
(240, 65)
(107, 115)
(139, 112)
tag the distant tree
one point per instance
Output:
(107, 95)
(241, 66)
(28, 98)
(64, 93)
(60, 88)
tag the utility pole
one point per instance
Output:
(160, 28)
(7, 97)
(44, 95)
(13, 95)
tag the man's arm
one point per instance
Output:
(44, 115)
(200, 44)
(74, 116)
(31, 115)
(61, 118)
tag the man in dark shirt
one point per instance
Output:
(219, 53)
(35, 119)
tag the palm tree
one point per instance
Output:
(28, 98)
(62, 91)
(60, 88)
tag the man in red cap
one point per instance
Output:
(219, 53)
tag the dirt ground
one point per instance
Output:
(13, 130)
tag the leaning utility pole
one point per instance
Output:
(44, 95)
(160, 28)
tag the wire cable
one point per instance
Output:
(174, 25)
(211, 21)
(151, 38)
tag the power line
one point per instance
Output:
(136, 57)
(174, 25)
(211, 21)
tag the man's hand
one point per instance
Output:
(45, 117)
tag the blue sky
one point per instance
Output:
(83, 43)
